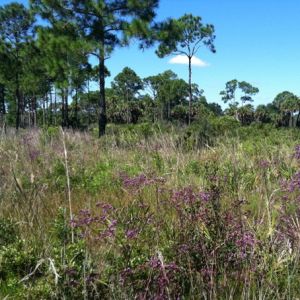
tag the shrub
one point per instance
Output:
(8, 232)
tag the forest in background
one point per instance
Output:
(46, 73)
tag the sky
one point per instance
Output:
(257, 41)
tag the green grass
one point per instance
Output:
(162, 238)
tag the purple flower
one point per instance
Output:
(106, 207)
(297, 152)
(124, 274)
(171, 267)
(184, 248)
(85, 212)
(34, 154)
(246, 240)
(205, 196)
(110, 231)
(138, 182)
(207, 272)
(293, 184)
(155, 263)
(131, 233)
(84, 219)
(135, 182)
(184, 196)
(91, 278)
(264, 164)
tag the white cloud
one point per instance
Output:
(183, 60)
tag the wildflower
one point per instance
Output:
(185, 195)
(264, 164)
(33, 154)
(135, 182)
(125, 274)
(105, 206)
(138, 182)
(207, 272)
(131, 233)
(293, 184)
(297, 152)
(154, 263)
(205, 196)
(184, 248)
(247, 240)
(110, 231)
(91, 278)
(171, 267)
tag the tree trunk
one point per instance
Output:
(18, 113)
(18, 102)
(44, 113)
(63, 118)
(55, 106)
(23, 107)
(102, 103)
(46, 110)
(76, 108)
(29, 112)
(291, 119)
(298, 118)
(51, 108)
(2, 100)
(154, 110)
(88, 96)
(127, 102)
(65, 115)
(2, 106)
(33, 111)
(66, 109)
(190, 89)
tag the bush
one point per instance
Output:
(8, 232)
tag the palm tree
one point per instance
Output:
(290, 106)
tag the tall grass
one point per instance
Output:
(152, 215)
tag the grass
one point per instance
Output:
(156, 216)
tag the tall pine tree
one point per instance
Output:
(104, 24)
(16, 31)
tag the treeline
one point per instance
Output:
(46, 73)
(41, 62)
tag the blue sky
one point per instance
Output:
(256, 40)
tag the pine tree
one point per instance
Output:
(104, 25)
(185, 36)
(16, 31)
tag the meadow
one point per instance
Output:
(150, 212)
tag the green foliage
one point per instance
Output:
(99, 177)
(248, 91)
(61, 229)
(230, 89)
(113, 24)
(193, 197)
(194, 167)
(244, 113)
(51, 132)
(16, 36)
(225, 125)
(185, 35)
(17, 260)
(158, 162)
(197, 135)
(8, 232)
